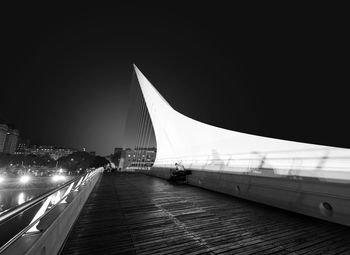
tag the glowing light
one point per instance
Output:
(60, 171)
(24, 179)
(2, 179)
(57, 178)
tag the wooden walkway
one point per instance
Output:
(137, 214)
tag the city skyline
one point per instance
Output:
(67, 79)
(11, 142)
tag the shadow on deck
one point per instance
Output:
(130, 213)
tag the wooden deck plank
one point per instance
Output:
(136, 214)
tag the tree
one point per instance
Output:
(99, 162)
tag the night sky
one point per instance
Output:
(275, 71)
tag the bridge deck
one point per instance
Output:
(137, 214)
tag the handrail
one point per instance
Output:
(238, 159)
(29, 204)
(328, 162)
(81, 179)
(256, 153)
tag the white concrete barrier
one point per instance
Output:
(310, 196)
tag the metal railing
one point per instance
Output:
(25, 218)
(326, 162)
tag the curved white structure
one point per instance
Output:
(200, 146)
(305, 178)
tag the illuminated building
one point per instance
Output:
(138, 157)
(23, 145)
(54, 152)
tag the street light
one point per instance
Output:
(24, 179)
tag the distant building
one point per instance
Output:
(116, 156)
(127, 158)
(147, 155)
(61, 152)
(93, 153)
(11, 141)
(8, 139)
(118, 150)
(41, 150)
(3, 134)
(22, 146)
(49, 150)
(139, 157)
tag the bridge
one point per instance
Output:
(240, 194)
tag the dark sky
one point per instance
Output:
(277, 71)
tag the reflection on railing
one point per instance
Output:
(330, 163)
(24, 219)
(21, 198)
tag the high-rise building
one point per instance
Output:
(3, 134)
(11, 141)
(8, 139)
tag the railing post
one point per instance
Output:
(78, 184)
(66, 193)
(40, 213)
(55, 199)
